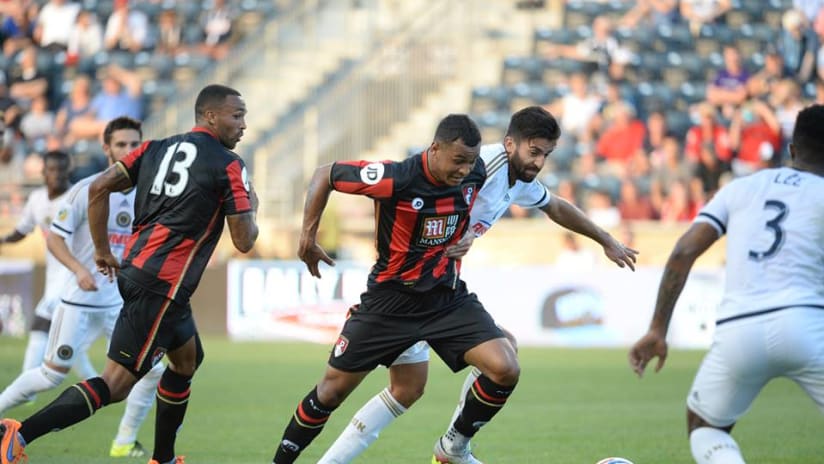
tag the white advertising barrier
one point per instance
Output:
(541, 305)
(16, 300)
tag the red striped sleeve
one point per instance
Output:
(237, 187)
(131, 161)
(373, 179)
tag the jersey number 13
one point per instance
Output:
(180, 166)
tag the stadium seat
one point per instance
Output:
(692, 92)
(488, 99)
(712, 37)
(526, 94)
(678, 122)
(581, 13)
(674, 37)
(636, 39)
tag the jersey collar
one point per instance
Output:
(205, 130)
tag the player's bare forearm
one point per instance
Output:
(58, 247)
(244, 230)
(568, 216)
(317, 196)
(14, 237)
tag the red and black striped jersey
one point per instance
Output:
(186, 184)
(417, 218)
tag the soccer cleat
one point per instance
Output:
(132, 450)
(11, 443)
(440, 456)
(177, 460)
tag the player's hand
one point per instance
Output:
(85, 280)
(459, 249)
(107, 264)
(311, 253)
(649, 346)
(620, 254)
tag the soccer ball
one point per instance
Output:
(614, 461)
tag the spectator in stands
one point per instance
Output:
(678, 206)
(55, 23)
(27, 82)
(762, 84)
(798, 44)
(37, 123)
(600, 49)
(656, 135)
(632, 204)
(651, 14)
(217, 29)
(707, 173)
(699, 12)
(76, 105)
(708, 135)
(168, 33)
(568, 190)
(787, 102)
(127, 29)
(729, 89)
(666, 170)
(86, 39)
(601, 210)
(755, 135)
(120, 96)
(622, 138)
(573, 257)
(575, 111)
(18, 25)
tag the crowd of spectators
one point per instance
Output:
(624, 157)
(67, 67)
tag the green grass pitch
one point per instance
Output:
(572, 406)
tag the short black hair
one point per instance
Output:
(120, 123)
(458, 126)
(211, 95)
(533, 122)
(57, 155)
(808, 138)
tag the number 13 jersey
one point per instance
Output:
(774, 221)
(186, 184)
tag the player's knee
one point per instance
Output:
(62, 359)
(504, 373)
(694, 421)
(512, 340)
(407, 394)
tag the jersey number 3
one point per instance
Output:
(176, 184)
(774, 225)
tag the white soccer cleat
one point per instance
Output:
(441, 456)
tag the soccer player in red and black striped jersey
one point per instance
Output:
(185, 186)
(414, 291)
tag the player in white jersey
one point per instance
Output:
(89, 303)
(771, 320)
(512, 168)
(41, 207)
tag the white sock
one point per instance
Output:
(138, 404)
(364, 428)
(28, 383)
(714, 446)
(83, 366)
(35, 349)
(473, 375)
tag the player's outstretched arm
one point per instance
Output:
(243, 227)
(690, 246)
(570, 217)
(113, 179)
(317, 196)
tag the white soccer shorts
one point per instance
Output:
(748, 353)
(74, 329)
(417, 353)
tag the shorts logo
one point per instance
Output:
(417, 203)
(372, 173)
(65, 352)
(340, 345)
(123, 219)
(468, 193)
(157, 356)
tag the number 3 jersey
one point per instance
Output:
(72, 223)
(186, 185)
(417, 218)
(774, 221)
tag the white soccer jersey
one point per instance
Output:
(38, 213)
(72, 223)
(496, 196)
(774, 220)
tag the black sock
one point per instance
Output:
(483, 401)
(75, 404)
(306, 424)
(172, 399)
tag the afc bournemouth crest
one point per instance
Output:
(468, 193)
(340, 345)
(157, 355)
